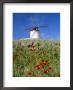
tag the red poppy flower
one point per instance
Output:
(30, 73)
(46, 71)
(38, 67)
(42, 65)
(50, 68)
(45, 62)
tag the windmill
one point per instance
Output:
(35, 30)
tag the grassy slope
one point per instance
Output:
(42, 60)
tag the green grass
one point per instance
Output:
(41, 61)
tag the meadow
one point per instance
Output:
(36, 58)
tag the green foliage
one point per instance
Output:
(26, 59)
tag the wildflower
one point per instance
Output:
(29, 73)
(42, 65)
(45, 62)
(46, 71)
(38, 67)
(50, 68)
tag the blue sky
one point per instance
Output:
(22, 21)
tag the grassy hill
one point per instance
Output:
(36, 58)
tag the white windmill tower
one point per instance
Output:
(34, 31)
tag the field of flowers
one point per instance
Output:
(36, 58)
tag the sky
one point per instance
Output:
(23, 21)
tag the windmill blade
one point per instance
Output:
(43, 26)
(28, 29)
